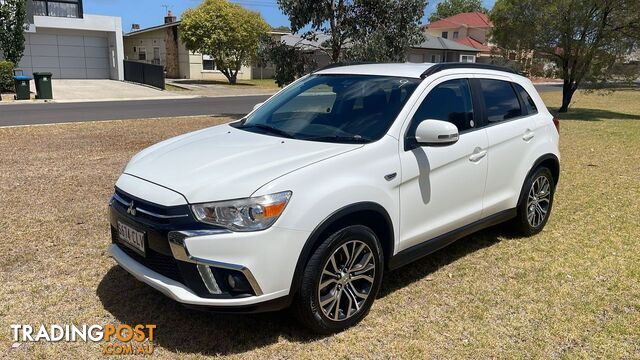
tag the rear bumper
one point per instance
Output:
(182, 294)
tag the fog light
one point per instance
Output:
(237, 283)
(231, 281)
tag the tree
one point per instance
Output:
(386, 29)
(449, 8)
(13, 16)
(226, 32)
(588, 39)
(350, 22)
(289, 62)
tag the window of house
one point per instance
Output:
(142, 54)
(58, 8)
(500, 100)
(156, 55)
(435, 58)
(449, 101)
(445, 34)
(208, 64)
(528, 101)
(455, 35)
(467, 58)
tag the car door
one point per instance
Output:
(442, 187)
(511, 131)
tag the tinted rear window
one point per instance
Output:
(500, 99)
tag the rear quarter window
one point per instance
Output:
(528, 100)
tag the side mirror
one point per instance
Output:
(436, 133)
(257, 106)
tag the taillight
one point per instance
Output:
(556, 122)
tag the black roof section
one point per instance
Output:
(460, 65)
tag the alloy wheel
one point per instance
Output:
(538, 201)
(346, 281)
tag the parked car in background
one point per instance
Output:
(343, 175)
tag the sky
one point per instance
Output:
(149, 13)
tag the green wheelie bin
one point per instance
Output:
(23, 87)
(43, 85)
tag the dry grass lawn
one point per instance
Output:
(571, 291)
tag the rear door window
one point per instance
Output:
(501, 101)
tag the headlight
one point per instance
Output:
(251, 214)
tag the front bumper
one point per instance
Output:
(177, 252)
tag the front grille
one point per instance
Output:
(162, 264)
(164, 214)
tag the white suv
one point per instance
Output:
(345, 174)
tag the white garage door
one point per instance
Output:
(67, 56)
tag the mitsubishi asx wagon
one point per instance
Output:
(345, 174)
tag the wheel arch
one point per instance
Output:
(549, 161)
(369, 214)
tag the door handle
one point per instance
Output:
(528, 135)
(477, 155)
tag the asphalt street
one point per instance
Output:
(51, 113)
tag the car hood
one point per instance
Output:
(223, 162)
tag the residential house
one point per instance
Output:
(162, 45)
(60, 38)
(435, 49)
(470, 29)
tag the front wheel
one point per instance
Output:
(340, 281)
(536, 202)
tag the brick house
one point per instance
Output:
(470, 29)
(162, 45)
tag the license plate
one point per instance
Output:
(132, 238)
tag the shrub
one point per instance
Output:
(6, 75)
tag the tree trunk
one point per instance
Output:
(567, 93)
(233, 78)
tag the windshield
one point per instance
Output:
(333, 108)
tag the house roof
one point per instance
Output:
(470, 19)
(153, 28)
(429, 42)
(176, 23)
(469, 41)
(304, 44)
(437, 43)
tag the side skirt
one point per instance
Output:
(423, 249)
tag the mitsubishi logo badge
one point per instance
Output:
(131, 210)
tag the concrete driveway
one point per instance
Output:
(104, 90)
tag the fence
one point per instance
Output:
(143, 73)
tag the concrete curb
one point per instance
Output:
(177, 97)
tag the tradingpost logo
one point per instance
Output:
(115, 339)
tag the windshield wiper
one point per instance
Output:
(268, 129)
(336, 138)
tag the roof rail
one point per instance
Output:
(339, 64)
(461, 65)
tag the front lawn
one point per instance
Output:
(571, 291)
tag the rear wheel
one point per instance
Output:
(340, 281)
(536, 202)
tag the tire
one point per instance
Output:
(535, 203)
(338, 286)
